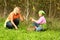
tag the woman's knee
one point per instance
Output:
(9, 25)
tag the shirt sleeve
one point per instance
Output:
(39, 20)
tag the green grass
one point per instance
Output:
(23, 34)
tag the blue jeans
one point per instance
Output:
(38, 27)
(10, 25)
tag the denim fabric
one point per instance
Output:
(9, 24)
(38, 27)
(35, 24)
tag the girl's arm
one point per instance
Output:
(37, 21)
(33, 20)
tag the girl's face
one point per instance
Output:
(40, 15)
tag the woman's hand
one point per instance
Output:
(16, 28)
(14, 24)
(24, 17)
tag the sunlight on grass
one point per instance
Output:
(23, 34)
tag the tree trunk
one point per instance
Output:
(33, 11)
(27, 8)
(5, 6)
(54, 8)
(50, 10)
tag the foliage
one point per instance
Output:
(51, 7)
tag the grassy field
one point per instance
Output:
(23, 34)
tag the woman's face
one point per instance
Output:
(16, 10)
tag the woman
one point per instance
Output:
(12, 20)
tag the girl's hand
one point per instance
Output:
(31, 19)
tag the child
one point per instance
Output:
(41, 22)
(12, 20)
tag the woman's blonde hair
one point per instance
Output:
(16, 9)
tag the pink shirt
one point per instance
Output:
(41, 20)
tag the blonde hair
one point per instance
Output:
(16, 9)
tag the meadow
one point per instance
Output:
(23, 34)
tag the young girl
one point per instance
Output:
(41, 22)
(12, 20)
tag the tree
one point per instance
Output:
(50, 10)
(27, 8)
(5, 7)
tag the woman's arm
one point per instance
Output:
(6, 22)
(21, 17)
(13, 22)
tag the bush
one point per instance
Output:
(53, 24)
